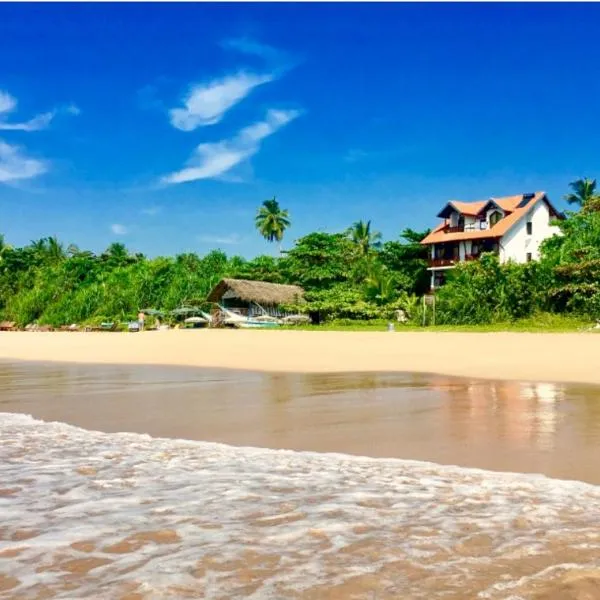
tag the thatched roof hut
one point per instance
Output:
(260, 292)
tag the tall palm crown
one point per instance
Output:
(272, 221)
(584, 193)
(48, 249)
(366, 239)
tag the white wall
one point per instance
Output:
(516, 243)
(470, 222)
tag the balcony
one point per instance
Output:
(450, 262)
(442, 262)
(477, 226)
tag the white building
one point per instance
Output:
(513, 227)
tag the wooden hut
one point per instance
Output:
(254, 298)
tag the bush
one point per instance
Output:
(485, 291)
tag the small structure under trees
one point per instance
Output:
(254, 298)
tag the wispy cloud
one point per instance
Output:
(213, 159)
(73, 109)
(278, 60)
(206, 104)
(151, 211)
(226, 240)
(38, 122)
(119, 229)
(8, 104)
(16, 165)
(250, 46)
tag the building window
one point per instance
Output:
(529, 257)
(495, 217)
(529, 227)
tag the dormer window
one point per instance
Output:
(495, 217)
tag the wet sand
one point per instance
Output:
(516, 356)
(498, 425)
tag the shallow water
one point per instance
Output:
(97, 515)
(500, 425)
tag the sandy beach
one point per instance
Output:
(522, 356)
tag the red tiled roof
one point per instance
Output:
(508, 204)
(468, 208)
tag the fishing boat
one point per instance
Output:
(233, 319)
(261, 322)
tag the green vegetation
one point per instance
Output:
(353, 279)
(538, 323)
(47, 284)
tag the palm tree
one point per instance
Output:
(365, 239)
(272, 221)
(116, 255)
(48, 250)
(380, 285)
(55, 249)
(584, 194)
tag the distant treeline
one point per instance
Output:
(349, 275)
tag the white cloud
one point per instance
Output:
(118, 229)
(212, 160)
(38, 122)
(15, 165)
(206, 104)
(151, 210)
(7, 102)
(227, 240)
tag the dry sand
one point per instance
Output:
(524, 356)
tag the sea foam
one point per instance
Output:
(88, 514)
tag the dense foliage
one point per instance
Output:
(343, 274)
(346, 275)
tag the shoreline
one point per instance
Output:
(551, 357)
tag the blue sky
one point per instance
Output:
(165, 126)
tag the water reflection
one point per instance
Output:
(504, 425)
(524, 413)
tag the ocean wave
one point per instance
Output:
(90, 514)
